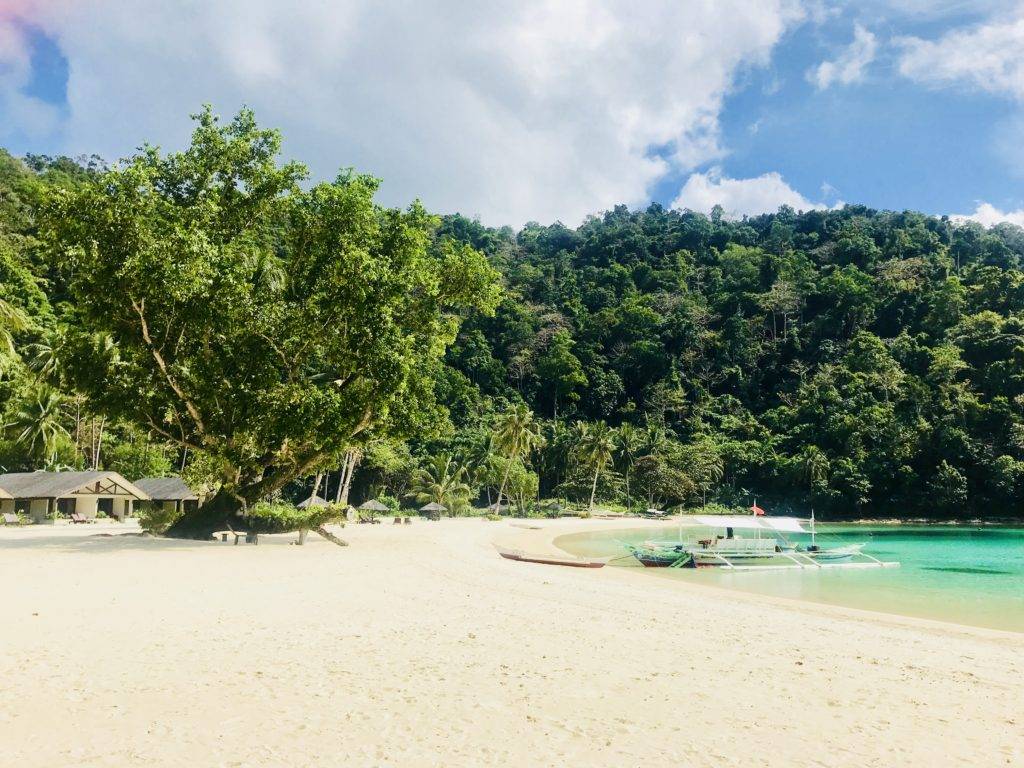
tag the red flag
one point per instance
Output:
(756, 509)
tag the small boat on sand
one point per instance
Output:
(572, 562)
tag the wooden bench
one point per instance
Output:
(10, 518)
(250, 536)
(78, 517)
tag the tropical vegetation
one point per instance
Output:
(211, 312)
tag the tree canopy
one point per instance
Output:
(213, 312)
(246, 318)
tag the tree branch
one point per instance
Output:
(179, 440)
(330, 536)
(140, 308)
(276, 479)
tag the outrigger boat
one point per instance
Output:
(714, 543)
(832, 554)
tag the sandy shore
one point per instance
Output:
(419, 646)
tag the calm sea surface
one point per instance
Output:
(962, 574)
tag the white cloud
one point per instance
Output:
(987, 214)
(21, 113)
(988, 56)
(740, 197)
(535, 109)
(849, 66)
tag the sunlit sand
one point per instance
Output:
(419, 646)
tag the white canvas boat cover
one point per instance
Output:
(747, 522)
(728, 521)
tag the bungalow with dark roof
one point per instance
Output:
(171, 493)
(47, 496)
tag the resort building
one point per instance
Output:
(45, 496)
(171, 493)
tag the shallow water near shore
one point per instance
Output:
(963, 574)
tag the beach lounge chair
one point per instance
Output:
(10, 518)
(78, 517)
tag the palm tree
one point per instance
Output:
(596, 448)
(12, 320)
(38, 423)
(476, 460)
(628, 441)
(441, 481)
(813, 466)
(705, 465)
(43, 357)
(653, 439)
(516, 434)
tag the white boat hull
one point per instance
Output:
(836, 554)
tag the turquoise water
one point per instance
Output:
(962, 574)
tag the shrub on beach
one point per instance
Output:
(393, 505)
(155, 518)
(286, 517)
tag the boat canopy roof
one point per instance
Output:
(784, 524)
(763, 523)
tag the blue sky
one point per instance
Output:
(884, 141)
(522, 112)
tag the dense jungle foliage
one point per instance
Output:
(860, 361)
(865, 363)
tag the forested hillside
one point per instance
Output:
(866, 363)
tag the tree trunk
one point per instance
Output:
(230, 503)
(593, 490)
(629, 499)
(97, 446)
(78, 426)
(224, 510)
(501, 490)
(341, 478)
(330, 536)
(353, 459)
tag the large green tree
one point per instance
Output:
(265, 325)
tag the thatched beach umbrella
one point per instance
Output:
(313, 501)
(434, 510)
(499, 508)
(374, 506)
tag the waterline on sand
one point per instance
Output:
(958, 574)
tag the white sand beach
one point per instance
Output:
(419, 646)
